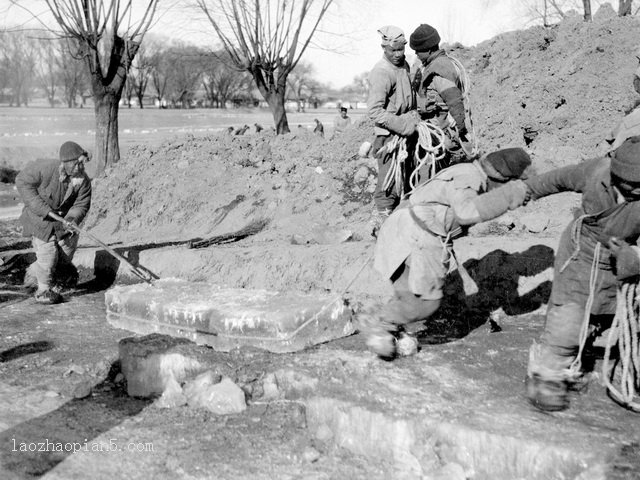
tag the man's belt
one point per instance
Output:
(456, 232)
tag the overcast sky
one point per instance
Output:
(349, 44)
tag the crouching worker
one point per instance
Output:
(63, 188)
(415, 244)
(594, 254)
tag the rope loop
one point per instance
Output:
(625, 332)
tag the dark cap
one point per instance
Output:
(424, 38)
(509, 163)
(625, 162)
(71, 151)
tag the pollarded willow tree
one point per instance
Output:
(108, 34)
(267, 39)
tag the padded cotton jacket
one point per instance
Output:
(42, 191)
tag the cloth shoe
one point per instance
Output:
(382, 344)
(48, 297)
(406, 345)
(547, 395)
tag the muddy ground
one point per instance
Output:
(456, 410)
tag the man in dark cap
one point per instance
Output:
(441, 85)
(391, 105)
(415, 244)
(60, 187)
(596, 251)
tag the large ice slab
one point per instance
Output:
(225, 318)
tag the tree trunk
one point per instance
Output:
(624, 7)
(587, 10)
(107, 150)
(276, 104)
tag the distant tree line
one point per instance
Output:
(551, 11)
(164, 73)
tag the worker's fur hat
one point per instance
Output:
(424, 38)
(71, 151)
(506, 164)
(625, 163)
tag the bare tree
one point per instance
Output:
(108, 38)
(48, 67)
(74, 75)
(624, 7)
(299, 81)
(586, 5)
(18, 56)
(221, 79)
(267, 39)
(186, 65)
(551, 11)
(140, 74)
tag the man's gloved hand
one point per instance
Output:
(627, 259)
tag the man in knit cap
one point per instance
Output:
(60, 187)
(440, 83)
(391, 105)
(598, 246)
(415, 244)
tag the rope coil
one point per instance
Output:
(430, 150)
(465, 86)
(624, 332)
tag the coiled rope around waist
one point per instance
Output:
(625, 331)
(431, 141)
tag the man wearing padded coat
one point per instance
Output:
(599, 243)
(63, 188)
(414, 245)
(391, 106)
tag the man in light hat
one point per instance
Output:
(440, 84)
(61, 187)
(599, 244)
(342, 121)
(415, 244)
(391, 105)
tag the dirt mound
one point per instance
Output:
(556, 91)
(198, 187)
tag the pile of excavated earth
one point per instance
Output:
(290, 214)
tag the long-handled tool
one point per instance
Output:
(135, 270)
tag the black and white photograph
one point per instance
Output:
(320, 239)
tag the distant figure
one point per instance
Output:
(242, 130)
(319, 129)
(342, 121)
(229, 130)
(259, 127)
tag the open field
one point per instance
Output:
(29, 133)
